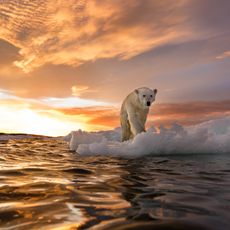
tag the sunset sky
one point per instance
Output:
(67, 65)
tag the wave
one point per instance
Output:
(207, 137)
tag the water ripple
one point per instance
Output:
(45, 186)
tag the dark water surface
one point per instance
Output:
(45, 186)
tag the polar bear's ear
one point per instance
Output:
(155, 91)
(136, 91)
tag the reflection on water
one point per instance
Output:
(44, 186)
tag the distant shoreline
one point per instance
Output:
(8, 136)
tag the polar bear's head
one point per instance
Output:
(146, 96)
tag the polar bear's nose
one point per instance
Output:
(148, 103)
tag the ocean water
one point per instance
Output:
(44, 185)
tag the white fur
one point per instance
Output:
(134, 111)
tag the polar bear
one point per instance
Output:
(134, 111)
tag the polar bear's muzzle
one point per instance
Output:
(148, 103)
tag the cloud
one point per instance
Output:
(99, 116)
(70, 102)
(188, 113)
(51, 102)
(10, 53)
(161, 114)
(43, 115)
(78, 90)
(35, 121)
(225, 54)
(74, 32)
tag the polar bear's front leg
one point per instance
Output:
(125, 126)
(125, 130)
(135, 124)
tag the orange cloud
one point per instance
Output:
(45, 115)
(188, 113)
(224, 55)
(73, 32)
(22, 119)
(32, 116)
(166, 114)
(98, 118)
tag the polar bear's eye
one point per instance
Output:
(151, 95)
(143, 95)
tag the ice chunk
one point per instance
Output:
(207, 137)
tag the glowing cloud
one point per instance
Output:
(44, 115)
(31, 121)
(224, 55)
(73, 32)
(78, 90)
(71, 102)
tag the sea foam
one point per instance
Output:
(208, 137)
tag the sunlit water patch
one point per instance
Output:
(43, 185)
